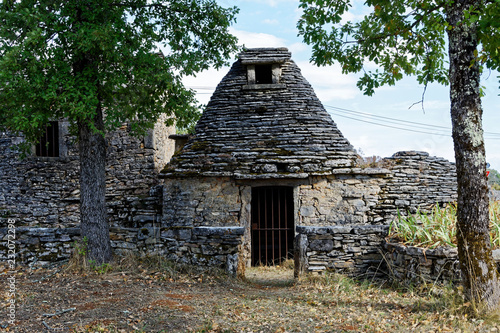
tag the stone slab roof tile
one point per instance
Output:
(263, 133)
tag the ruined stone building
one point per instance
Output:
(266, 176)
(41, 192)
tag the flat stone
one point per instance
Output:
(218, 231)
(321, 245)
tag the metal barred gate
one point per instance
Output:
(272, 224)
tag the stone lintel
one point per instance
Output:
(315, 230)
(218, 231)
(271, 176)
(263, 61)
(263, 86)
(338, 229)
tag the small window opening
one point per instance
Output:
(281, 167)
(264, 74)
(48, 145)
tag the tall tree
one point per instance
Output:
(409, 37)
(97, 63)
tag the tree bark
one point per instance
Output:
(92, 148)
(94, 224)
(480, 277)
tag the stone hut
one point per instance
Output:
(267, 176)
(267, 169)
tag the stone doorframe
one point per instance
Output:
(246, 218)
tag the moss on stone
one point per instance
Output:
(199, 145)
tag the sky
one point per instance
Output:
(371, 124)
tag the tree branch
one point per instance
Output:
(410, 28)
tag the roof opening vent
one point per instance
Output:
(264, 74)
(264, 67)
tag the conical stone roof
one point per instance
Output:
(258, 131)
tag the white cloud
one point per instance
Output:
(205, 83)
(271, 22)
(329, 83)
(436, 104)
(351, 17)
(256, 39)
(297, 48)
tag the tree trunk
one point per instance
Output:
(480, 277)
(94, 224)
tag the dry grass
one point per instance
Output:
(154, 295)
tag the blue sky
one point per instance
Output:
(367, 122)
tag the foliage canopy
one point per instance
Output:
(63, 59)
(399, 37)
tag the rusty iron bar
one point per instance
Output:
(272, 224)
(48, 145)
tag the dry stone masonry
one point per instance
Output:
(412, 265)
(276, 134)
(42, 193)
(417, 181)
(266, 176)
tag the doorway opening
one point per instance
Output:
(272, 225)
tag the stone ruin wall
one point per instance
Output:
(204, 221)
(42, 194)
(413, 265)
(198, 201)
(417, 181)
(341, 219)
(352, 250)
(38, 191)
(346, 198)
(347, 235)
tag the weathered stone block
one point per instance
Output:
(320, 245)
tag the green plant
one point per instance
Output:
(99, 269)
(79, 259)
(437, 228)
(80, 247)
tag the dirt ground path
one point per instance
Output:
(55, 300)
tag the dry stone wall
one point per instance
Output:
(417, 181)
(194, 202)
(42, 194)
(352, 250)
(337, 208)
(205, 246)
(412, 265)
(343, 199)
(44, 191)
